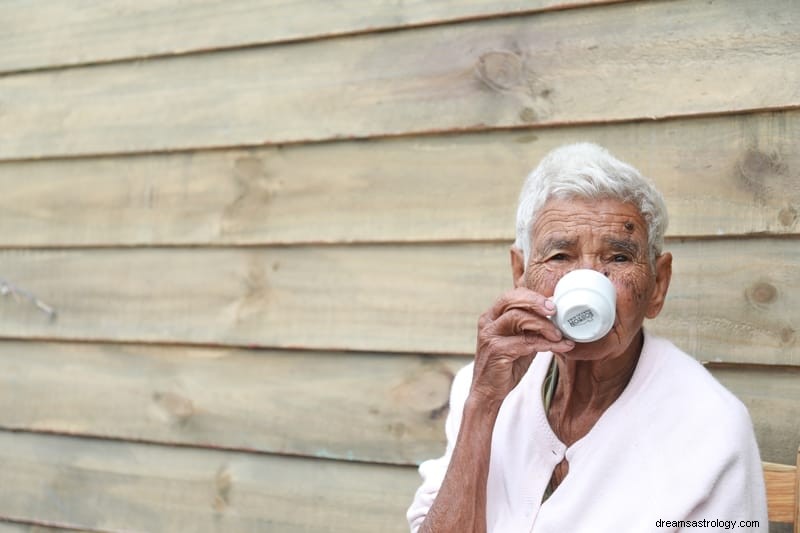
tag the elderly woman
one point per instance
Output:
(623, 434)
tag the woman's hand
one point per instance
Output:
(509, 336)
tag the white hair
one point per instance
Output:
(587, 171)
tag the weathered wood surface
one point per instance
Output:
(366, 407)
(655, 59)
(19, 527)
(721, 176)
(362, 297)
(730, 300)
(70, 32)
(772, 395)
(120, 486)
(735, 301)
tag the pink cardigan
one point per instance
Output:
(675, 447)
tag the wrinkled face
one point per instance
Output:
(608, 236)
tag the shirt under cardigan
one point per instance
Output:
(676, 446)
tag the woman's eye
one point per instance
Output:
(558, 257)
(620, 258)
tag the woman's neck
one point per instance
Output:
(586, 388)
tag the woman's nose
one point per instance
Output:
(590, 262)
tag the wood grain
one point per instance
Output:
(362, 297)
(729, 301)
(772, 395)
(781, 496)
(65, 32)
(610, 63)
(366, 407)
(728, 175)
(734, 301)
(106, 485)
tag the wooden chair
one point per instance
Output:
(783, 492)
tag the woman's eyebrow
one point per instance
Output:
(625, 245)
(556, 243)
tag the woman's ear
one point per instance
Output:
(663, 273)
(517, 266)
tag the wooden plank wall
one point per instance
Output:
(267, 229)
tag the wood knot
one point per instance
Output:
(426, 389)
(500, 70)
(255, 189)
(178, 408)
(439, 412)
(510, 74)
(223, 482)
(527, 114)
(256, 289)
(787, 336)
(756, 162)
(398, 429)
(755, 166)
(762, 293)
(787, 216)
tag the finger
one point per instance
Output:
(538, 304)
(485, 320)
(509, 347)
(517, 321)
(561, 346)
(525, 345)
(522, 298)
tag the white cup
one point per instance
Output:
(585, 305)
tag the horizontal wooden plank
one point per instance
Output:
(288, 402)
(362, 297)
(729, 300)
(136, 487)
(610, 63)
(379, 408)
(735, 301)
(772, 395)
(721, 176)
(70, 32)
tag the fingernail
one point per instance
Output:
(549, 305)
